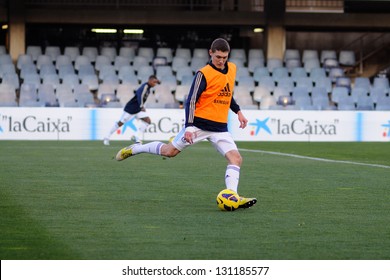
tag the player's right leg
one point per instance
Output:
(154, 148)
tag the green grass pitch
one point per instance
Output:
(70, 200)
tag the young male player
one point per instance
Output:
(206, 117)
(135, 107)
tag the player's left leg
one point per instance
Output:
(225, 144)
(124, 118)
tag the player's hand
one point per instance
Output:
(189, 134)
(243, 121)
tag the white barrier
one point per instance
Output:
(94, 124)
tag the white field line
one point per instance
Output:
(316, 159)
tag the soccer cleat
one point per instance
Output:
(247, 202)
(125, 153)
(106, 142)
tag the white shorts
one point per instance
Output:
(126, 116)
(222, 141)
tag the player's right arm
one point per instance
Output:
(197, 87)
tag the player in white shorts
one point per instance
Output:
(206, 109)
(135, 108)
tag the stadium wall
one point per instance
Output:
(268, 125)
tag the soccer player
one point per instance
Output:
(135, 107)
(206, 117)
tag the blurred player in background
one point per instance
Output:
(206, 117)
(135, 108)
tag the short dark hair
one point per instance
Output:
(220, 44)
(153, 77)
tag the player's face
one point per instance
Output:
(219, 58)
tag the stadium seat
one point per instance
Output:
(364, 102)
(51, 79)
(267, 82)
(345, 103)
(298, 72)
(62, 60)
(248, 82)
(105, 70)
(273, 63)
(201, 53)
(72, 52)
(28, 92)
(362, 82)
(84, 70)
(300, 92)
(5, 59)
(91, 53)
(242, 72)
(267, 102)
(260, 72)
(279, 73)
(381, 82)
(310, 64)
(181, 92)
(184, 72)
(335, 73)
(320, 102)
(82, 60)
(127, 52)
(46, 95)
(105, 88)
(255, 54)
(102, 60)
(147, 53)
(324, 82)
(44, 59)
(184, 53)
(319, 91)
(357, 92)
(287, 83)
(165, 52)
(109, 52)
(72, 80)
(238, 54)
(291, 54)
(255, 63)
(91, 81)
(327, 54)
(339, 93)
(260, 92)
(64, 70)
(7, 69)
(53, 52)
(7, 93)
(120, 61)
(197, 63)
(377, 94)
(34, 51)
(24, 59)
(309, 54)
(64, 94)
(47, 69)
(317, 72)
(347, 58)
(140, 61)
(291, 64)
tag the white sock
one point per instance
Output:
(150, 148)
(232, 177)
(113, 129)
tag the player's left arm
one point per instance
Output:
(236, 109)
